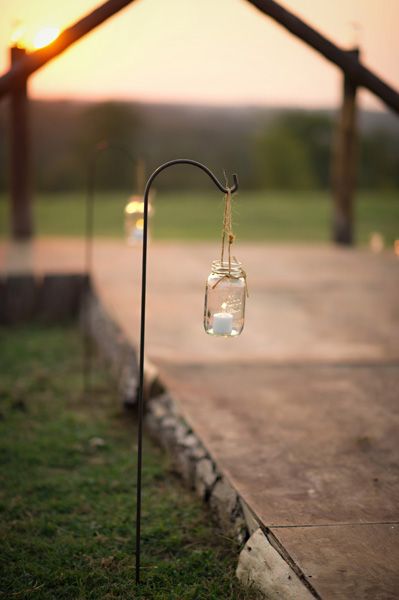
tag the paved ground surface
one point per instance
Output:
(301, 411)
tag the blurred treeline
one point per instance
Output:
(269, 148)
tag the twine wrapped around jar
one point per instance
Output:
(231, 274)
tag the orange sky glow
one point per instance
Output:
(213, 51)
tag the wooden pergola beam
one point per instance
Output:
(15, 84)
(350, 65)
(35, 60)
(344, 165)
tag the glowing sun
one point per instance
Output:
(45, 36)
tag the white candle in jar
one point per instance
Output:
(222, 323)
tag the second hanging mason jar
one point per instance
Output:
(225, 296)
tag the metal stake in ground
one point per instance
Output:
(225, 190)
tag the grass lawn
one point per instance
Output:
(258, 216)
(67, 480)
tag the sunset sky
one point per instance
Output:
(212, 51)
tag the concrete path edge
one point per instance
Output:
(262, 565)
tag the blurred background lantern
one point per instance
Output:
(134, 209)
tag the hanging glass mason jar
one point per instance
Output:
(225, 295)
(134, 219)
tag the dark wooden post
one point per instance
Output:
(344, 164)
(21, 194)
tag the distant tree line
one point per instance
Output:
(276, 149)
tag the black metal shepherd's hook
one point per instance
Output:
(225, 190)
(99, 148)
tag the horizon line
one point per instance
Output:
(203, 104)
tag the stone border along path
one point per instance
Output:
(300, 413)
(56, 298)
(263, 564)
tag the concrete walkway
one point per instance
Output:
(301, 411)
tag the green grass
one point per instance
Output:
(258, 216)
(67, 503)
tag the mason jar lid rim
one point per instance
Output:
(234, 266)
